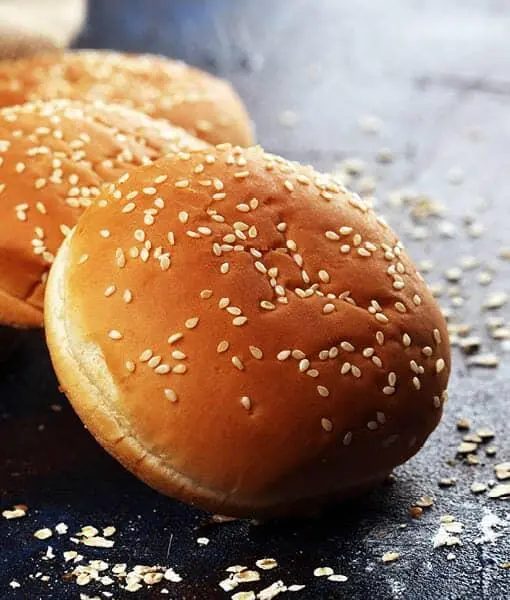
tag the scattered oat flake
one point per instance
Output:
(15, 513)
(390, 557)
(247, 576)
(171, 575)
(266, 564)
(467, 448)
(478, 488)
(203, 541)
(339, 578)
(323, 572)
(502, 471)
(278, 587)
(43, 534)
(425, 502)
(244, 596)
(501, 490)
(98, 542)
(487, 360)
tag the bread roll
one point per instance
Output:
(53, 158)
(250, 337)
(204, 105)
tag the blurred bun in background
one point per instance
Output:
(28, 27)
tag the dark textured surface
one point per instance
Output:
(437, 73)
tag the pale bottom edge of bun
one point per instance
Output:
(87, 383)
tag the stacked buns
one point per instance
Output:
(249, 337)
(204, 105)
(238, 330)
(54, 156)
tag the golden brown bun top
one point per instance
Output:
(53, 158)
(204, 105)
(260, 324)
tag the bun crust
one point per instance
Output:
(53, 158)
(251, 337)
(204, 105)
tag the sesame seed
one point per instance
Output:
(312, 373)
(267, 305)
(183, 217)
(246, 402)
(388, 390)
(170, 395)
(178, 355)
(223, 303)
(130, 366)
(437, 336)
(192, 323)
(224, 268)
(237, 362)
(288, 185)
(324, 276)
(162, 369)
(381, 318)
(416, 383)
(345, 248)
(115, 335)
(145, 355)
(283, 355)
(175, 337)
(345, 368)
(130, 207)
(328, 308)
(110, 290)
(347, 346)
(347, 439)
(326, 424)
(222, 346)
(406, 340)
(260, 267)
(440, 365)
(179, 369)
(331, 235)
(304, 365)
(372, 425)
(120, 258)
(427, 351)
(154, 362)
(256, 352)
(164, 262)
(181, 183)
(323, 391)
(238, 321)
(356, 371)
(392, 379)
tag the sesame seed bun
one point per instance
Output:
(53, 158)
(204, 105)
(260, 345)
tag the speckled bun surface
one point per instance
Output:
(204, 105)
(54, 156)
(250, 337)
